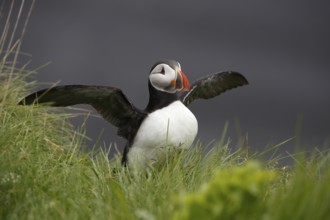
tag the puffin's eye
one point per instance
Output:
(162, 70)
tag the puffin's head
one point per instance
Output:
(167, 76)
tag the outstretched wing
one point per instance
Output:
(213, 85)
(110, 102)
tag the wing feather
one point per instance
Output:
(109, 102)
(213, 85)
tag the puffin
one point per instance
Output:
(165, 123)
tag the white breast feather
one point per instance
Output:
(171, 126)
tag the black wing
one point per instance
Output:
(110, 102)
(213, 85)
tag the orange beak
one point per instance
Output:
(182, 83)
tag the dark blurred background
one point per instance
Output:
(281, 47)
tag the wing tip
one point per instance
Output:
(22, 102)
(35, 98)
(28, 100)
(240, 76)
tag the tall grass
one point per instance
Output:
(45, 175)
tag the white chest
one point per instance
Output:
(171, 126)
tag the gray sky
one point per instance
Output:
(281, 47)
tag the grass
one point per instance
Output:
(44, 174)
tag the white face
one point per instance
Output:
(163, 78)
